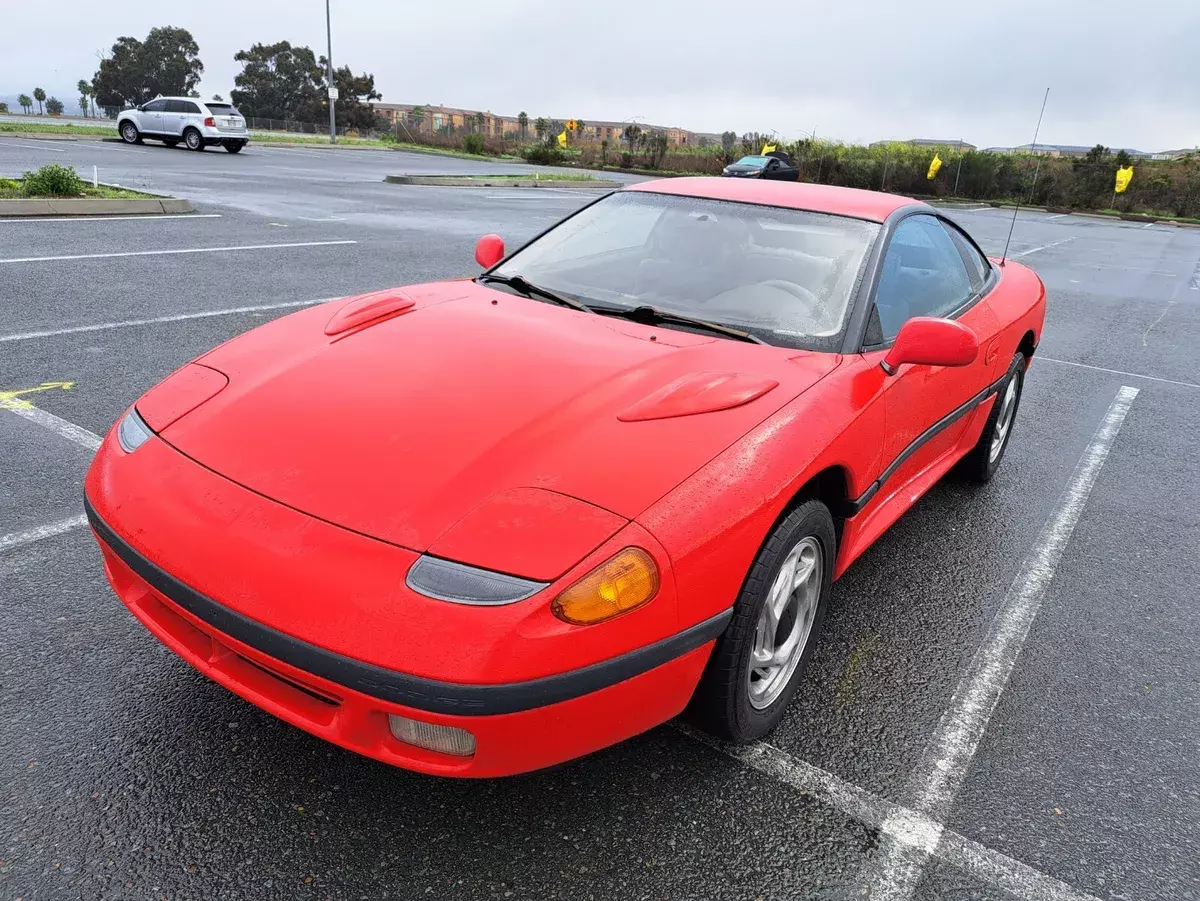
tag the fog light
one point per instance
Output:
(444, 739)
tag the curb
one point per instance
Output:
(460, 155)
(496, 181)
(311, 145)
(89, 207)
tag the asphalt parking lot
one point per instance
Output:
(1005, 704)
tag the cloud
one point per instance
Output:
(855, 71)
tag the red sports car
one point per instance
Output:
(483, 526)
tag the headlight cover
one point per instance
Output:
(132, 432)
(458, 583)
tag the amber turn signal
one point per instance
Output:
(620, 584)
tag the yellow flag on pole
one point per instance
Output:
(768, 148)
(1124, 177)
(562, 139)
(934, 167)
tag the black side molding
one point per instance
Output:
(856, 505)
(403, 688)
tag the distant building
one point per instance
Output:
(1173, 154)
(952, 144)
(1075, 150)
(441, 119)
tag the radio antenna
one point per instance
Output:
(1036, 170)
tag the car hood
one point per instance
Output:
(400, 429)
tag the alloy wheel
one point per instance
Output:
(785, 623)
(1008, 406)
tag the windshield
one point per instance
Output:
(786, 276)
(758, 161)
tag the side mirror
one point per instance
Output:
(932, 342)
(489, 251)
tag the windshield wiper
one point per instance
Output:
(521, 284)
(648, 315)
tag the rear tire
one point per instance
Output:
(235, 147)
(981, 463)
(760, 659)
(130, 133)
(193, 139)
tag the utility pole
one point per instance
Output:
(958, 174)
(333, 93)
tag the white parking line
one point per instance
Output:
(29, 536)
(1057, 216)
(153, 253)
(871, 810)
(68, 430)
(893, 874)
(1025, 253)
(37, 144)
(32, 220)
(177, 317)
(1121, 372)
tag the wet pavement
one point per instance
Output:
(126, 774)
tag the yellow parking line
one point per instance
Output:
(12, 400)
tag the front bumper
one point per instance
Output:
(237, 615)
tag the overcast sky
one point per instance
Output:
(1121, 74)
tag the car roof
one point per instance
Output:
(873, 205)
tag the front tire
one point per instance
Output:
(981, 463)
(193, 139)
(760, 659)
(130, 133)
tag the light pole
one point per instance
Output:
(333, 95)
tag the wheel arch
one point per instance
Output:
(830, 486)
(1027, 345)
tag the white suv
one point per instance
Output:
(197, 123)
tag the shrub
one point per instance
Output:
(53, 180)
(473, 144)
(543, 154)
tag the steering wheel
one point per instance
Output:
(813, 306)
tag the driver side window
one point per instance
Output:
(923, 275)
